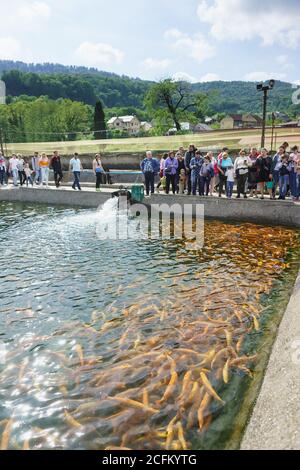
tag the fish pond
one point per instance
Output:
(134, 344)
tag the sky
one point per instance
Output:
(198, 40)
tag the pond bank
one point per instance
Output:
(274, 423)
(266, 212)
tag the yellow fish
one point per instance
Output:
(71, 421)
(209, 388)
(79, 350)
(170, 388)
(181, 438)
(204, 404)
(6, 435)
(226, 372)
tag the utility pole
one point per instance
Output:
(265, 87)
(273, 128)
(263, 134)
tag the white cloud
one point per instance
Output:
(184, 77)
(35, 11)
(156, 64)
(98, 54)
(194, 46)
(10, 48)
(263, 76)
(210, 77)
(273, 21)
(174, 34)
(284, 63)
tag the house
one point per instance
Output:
(240, 121)
(210, 120)
(201, 127)
(290, 124)
(146, 126)
(129, 124)
(279, 115)
(185, 126)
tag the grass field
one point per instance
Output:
(207, 140)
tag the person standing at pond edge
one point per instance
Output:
(150, 167)
(76, 168)
(187, 160)
(98, 170)
(224, 161)
(20, 165)
(2, 169)
(35, 164)
(171, 166)
(55, 164)
(44, 166)
(241, 169)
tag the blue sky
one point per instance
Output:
(201, 40)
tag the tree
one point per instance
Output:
(99, 121)
(174, 97)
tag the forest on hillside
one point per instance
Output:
(52, 102)
(88, 85)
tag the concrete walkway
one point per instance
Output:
(275, 422)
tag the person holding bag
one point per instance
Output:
(241, 168)
(98, 170)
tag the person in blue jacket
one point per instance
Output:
(150, 167)
(195, 166)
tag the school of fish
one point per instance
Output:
(153, 374)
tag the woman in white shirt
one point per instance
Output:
(241, 168)
(20, 164)
(76, 167)
(13, 168)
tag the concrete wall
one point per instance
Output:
(265, 212)
(55, 197)
(117, 161)
(88, 176)
(275, 422)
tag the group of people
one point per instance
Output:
(30, 171)
(35, 170)
(254, 173)
(183, 172)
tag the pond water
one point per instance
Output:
(134, 344)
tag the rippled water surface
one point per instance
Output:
(139, 344)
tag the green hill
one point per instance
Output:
(88, 84)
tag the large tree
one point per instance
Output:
(99, 121)
(175, 98)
